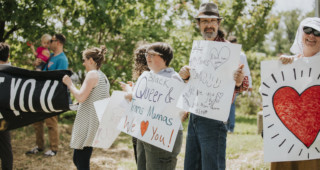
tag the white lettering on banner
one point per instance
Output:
(23, 90)
(17, 113)
(15, 84)
(49, 100)
(2, 79)
(13, 92)
(43, 94)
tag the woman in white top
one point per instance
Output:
(95, 87)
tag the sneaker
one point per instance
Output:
(34, 151)
(50, 153)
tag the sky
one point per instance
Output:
(287, 5)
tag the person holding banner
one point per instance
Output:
(306, 45)
(57, 61)
(95, 87)
(159, 56)
(140, 65)
(206, 139)
(6, 155)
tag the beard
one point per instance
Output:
(209, 35)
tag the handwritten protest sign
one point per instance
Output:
(210, 88)
(153, 116)
(291, 110)
(113, 109)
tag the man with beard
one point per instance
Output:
(206, 139)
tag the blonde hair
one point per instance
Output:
(46, 37)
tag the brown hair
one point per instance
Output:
(97, 54)
(140, 62)
(4, 51)
(164, 49)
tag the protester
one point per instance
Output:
(206, 139)
(57, 61)
(5, 139)
(95, 87)
(159, 56)
(42, 52)
(243, 60)
(140, 65)
(306, 45)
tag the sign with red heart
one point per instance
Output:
(300, 113)
(291, 109)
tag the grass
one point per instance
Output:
(244, 149)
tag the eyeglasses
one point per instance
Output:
(309, 30)
(52, 41)
(206, 22)
(151, 54)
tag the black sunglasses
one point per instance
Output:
(52, 41)
(309, 30)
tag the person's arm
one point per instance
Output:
(89, 83)
(33, 50)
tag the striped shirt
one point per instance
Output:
(86, 123)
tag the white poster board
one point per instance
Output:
(291, 109)
(152, 115)
(210, 89)
(113, 109)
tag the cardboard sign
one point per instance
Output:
(291, 109)
(210, 89)
(152, 115)
(113, 109)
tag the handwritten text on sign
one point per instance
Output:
(210, 88)
(291, 110)
(153, 116)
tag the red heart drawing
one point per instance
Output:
(143, 127)
(300, 113)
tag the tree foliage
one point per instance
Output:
(121, 25)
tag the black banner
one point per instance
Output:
(29, 96)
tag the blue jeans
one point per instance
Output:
(206, 144)
(232, 116)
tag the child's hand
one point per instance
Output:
(37, 62)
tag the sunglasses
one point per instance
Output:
(52, 41)
(309, 30)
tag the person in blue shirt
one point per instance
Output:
(57, 61)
